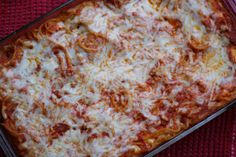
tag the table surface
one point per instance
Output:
(215, 139)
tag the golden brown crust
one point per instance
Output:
(232, 53)
(222, 17)
(197, 45)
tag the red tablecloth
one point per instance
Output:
(216, 139)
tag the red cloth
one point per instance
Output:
(216, 139)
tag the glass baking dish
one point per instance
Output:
(6, 143)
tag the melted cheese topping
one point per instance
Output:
(126, 87)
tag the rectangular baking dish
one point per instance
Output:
(5, 141)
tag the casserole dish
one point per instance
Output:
(115, 106)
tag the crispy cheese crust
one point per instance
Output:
(116, 78)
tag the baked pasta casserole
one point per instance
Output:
(117, 77)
